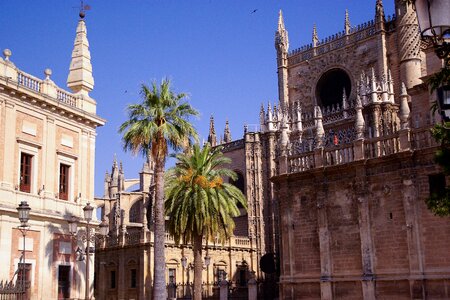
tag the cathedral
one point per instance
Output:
(336, 176)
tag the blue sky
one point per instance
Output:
(217, 51)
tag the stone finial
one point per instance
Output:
(344, 103)
(7, 53)
(320, 132)
(373, 86)
(379, 11)
(262, 118)
(47, 73)
(315, 37)
(347, 25)
(269, 118)
(284, 137)
(281, 36)
(227, 133)
(298, 118)
(359, 119)
(404, 113)
(212, 139)
(80, 79)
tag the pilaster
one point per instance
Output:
(49, 158)
(416, 260)
(367, 250)
(324, 244)
(9, 146)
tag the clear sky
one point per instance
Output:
(221, 52)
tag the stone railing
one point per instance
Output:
(336, 41)
(134, 237)
(66, 97)
(29, 82)
(360, 149)
(233, 145)
(339, 155)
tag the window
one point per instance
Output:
(26, 161)
(113, 280)
(172, 278)
(133, 280)
(331, 86)
(64, 181)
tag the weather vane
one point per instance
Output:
(83, 9)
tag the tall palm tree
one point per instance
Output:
(160, 122)
(199, 203)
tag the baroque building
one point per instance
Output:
(47, 157)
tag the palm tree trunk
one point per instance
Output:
(198, 267)
(159, 263)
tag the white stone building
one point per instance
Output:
(47, 154)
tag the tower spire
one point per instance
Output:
(212, 139)
(282, 46)
(379, 12)
(315, 37)
(347, 25)
(227, 133)
(80, 79)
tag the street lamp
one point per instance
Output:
(207, 262)
(183, 265)
(24, 215)
(434, 23)
(73, 229)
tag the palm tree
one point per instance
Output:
(159, 122)
(199, 203)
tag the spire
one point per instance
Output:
(212, 140)
(281, 36)
(379, 12)
(262, 118)
(80, 78)
(315, 37)
(347, 25)
(227, 133)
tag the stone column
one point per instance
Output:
(223, 290)
(252, 289)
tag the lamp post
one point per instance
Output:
(183, 265)
(103, 230)
(434, 22)
(24, 215)
(207, 262)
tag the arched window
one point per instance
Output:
(135, 212)
(330, 87)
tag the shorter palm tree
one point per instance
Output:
(199, 203)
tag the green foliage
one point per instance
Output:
(439, 203)
(439, 79)
(159, 122)
(198, 201)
